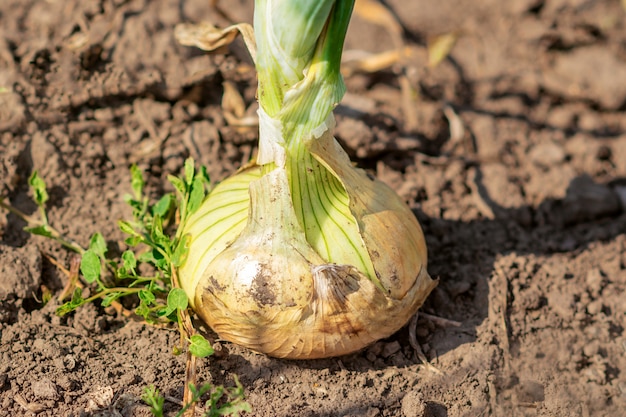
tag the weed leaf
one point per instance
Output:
(177, 299)
(39, 188)
(154, 400)
(157, 234)
(146, 296)
(204, 175)
(199, 346)
(42, 230)
(162, 207)
(109, 298)
(189, 170)
(90, 266)
(182, 250)
(143, 310)
(136, 181)
(129, 260)
(127, 228)
(178, 184)
(98, 245)
(196, 195)
(133, 241)
(76, 301)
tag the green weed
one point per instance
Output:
(151, 246)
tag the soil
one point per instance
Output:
(512, 153)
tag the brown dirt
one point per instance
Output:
(523, 204)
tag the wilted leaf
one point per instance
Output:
(209, 38)
(232, 100)
(375, 12)
(371, 63)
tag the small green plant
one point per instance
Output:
(160, 300)
(222, 401)
(154, 399)
(154, 247)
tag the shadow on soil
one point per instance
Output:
(589, 213)
(462, 255)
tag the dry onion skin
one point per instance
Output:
(301, 255)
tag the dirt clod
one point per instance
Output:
(45, 389)
(413, 405)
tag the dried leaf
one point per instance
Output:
(440, 47)
(234, 107)
(457, 128)
(374, 12)
(374, 62)
(209, 38)
(243, 122)
(365, 62)
(232, 100)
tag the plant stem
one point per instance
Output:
(186, 331)
(28, 219)
(32, 223)
(106, 291)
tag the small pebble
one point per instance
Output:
(44, 388)
(65, 383)
(69, 362)
(376, 349)
(594, 281)
(594, 374)
(391, 348)
(594, 307)
(530, 392)
(591, 348)
(413, 404)
(100, 397)
(422, 331)
(547, 154)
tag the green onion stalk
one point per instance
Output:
(300, 254)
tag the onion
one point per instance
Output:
(300, 254)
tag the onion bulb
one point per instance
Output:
(300, 254)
